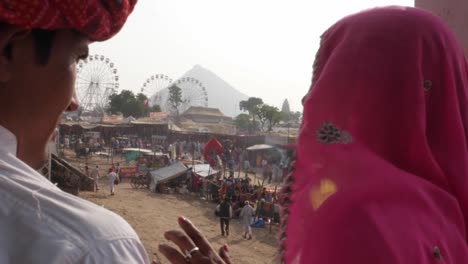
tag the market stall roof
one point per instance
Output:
(149, 121)
(203, 170)
(168, 173)
(156, 154)
(137, 150)
(85, 125)
(188, 162)
(260, 147)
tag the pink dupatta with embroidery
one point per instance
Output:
(381, 171)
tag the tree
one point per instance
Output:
(128, 104)
(142, 102)
(243, 122)
(175, 98)
(141, 98)
(269, 115)
(252, 106)
(295, 117)
(155, 108)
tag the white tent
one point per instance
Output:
(137, 150)
(203, 170)
(260, 147)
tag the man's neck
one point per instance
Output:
(17, 144)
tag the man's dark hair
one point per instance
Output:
(43, 41)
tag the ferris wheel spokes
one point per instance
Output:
(96, 80)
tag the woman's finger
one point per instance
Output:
(223, 253)
(156, 259)
(180, 239)
(172, 254)
(195, 235)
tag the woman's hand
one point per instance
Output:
(187, 242)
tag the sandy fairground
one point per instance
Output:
(151, 214)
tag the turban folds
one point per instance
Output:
(97, 19)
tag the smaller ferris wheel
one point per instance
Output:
(96, 80)
(155, 89)
(193, 94)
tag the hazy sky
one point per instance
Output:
(264, 48)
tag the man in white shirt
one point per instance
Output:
(112, 177)
(95, 176)
(40, 43)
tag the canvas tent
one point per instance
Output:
(166, 174)
(260, 147)
(212, 145)
(203, 170)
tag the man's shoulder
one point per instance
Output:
(39, 217)
(46, 206)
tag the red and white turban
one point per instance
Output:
(97, 19)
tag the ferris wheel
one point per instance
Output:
(193, 94)
(155, 89)
(96, 80)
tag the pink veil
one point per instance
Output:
(381, 171)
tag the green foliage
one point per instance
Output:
(130, 105)
(243, 122)
(252, 106)
(264, 116)
(155, 108)
(269, 116)
(295, 117)
(175, 97)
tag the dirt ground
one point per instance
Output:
(151, 214)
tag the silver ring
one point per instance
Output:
(188, 254)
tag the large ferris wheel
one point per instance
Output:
(96, 80)
(193, 92)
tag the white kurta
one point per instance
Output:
(112, 176)
(246, 215)
(40, 223)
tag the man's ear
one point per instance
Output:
(8, 36)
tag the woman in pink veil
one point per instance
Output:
(381, 171)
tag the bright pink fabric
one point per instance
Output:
(393, 82)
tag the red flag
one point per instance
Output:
(146, 104)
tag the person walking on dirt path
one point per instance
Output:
(225, 213)
(112, 178)
(246, 216)
(95, 176)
